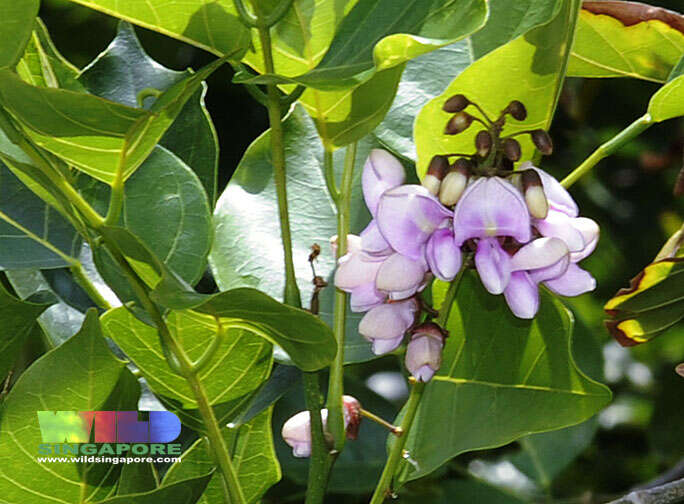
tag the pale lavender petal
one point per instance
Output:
(553, 271)
(372, 241)
(365, 297)
(590, 233)
(296, 432)
(574, 282)
(539, 253)
(443, 255)
(493, 265)
(383, 346)
(522, 295)
(559, 198)
(381, 172)
(559, 225)
(355, 270)
(424, 373)
(353, 244)
(407, 216)
(491, 207)
(388, 322)
(399, 273)
(424, 352)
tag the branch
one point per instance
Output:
(668, 493)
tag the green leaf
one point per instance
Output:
(379, 34)
(239, 364)
(668, 101)
(535, 61)
(212, 26)
(95, 135)
(246, 222)
(253, 458)
(187, 491)
(626, 40)
(426, 76)
(18, 319)
(136, 478)
(15, 29)
(32, 233)
(42, 64)
(166, 205)
(123, 70)
(468, 490)
(501, 378)
(80, 375)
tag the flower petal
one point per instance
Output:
(522, 295)
(365, 297)
(407, 216)
(388, 323)
(553, 271)
(559, 225)
(372, 241)
(590, 233)
(493, 265)
(399, 273)
(424, 352)
(381, 172)
(354, 270)
(539, 253)
(443, 255)
(559, 198)
(574, 282)
(491, 206)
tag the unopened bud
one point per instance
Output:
(678, 188)
(456, 103)
(483, 143)
(511, 149)
(517, 110)
(458, 124)
(424, 351)
(352, 416)
(535, 197)
(436, 171)
(455, 182)
(507, 164)
(542, 140)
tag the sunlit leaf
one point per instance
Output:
(186, 491)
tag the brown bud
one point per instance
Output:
(483, 143)
(455, 182)
(439, 165)
(456, 103)
(678, 189)
(535, 197)
(542, 141)
(507, 164)
(511, 149)
(517, 110)
(458, 124)
(680, 369)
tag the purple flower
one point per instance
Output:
(489, 210)
(443, 255)
(424, 351)
(381, 172)
(385, 325)
(356, 274)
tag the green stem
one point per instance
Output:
(321, 460)
(608, 148)
(82, 279)
(217, 443)
(329, 174)
(292, 295)
(116, 197)
(336, 382)
(384, 487)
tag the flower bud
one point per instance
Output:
(455, 182)
(458, 124)
(542, 141)
(456, 103)
(436, 171)
(511, 149)
(424, 351)
(352, 416)
(385, 325)
(483, 143)
(517, 110)
(535, 198)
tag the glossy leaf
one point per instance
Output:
(79, 375)
(18, 318)
(626, 39)
(247, 249)
(187, 491)
(380, 34)
(668, 102)
(426, 76)
(212, 26)
(501, 378)
(253, 458)
(137, 478)
(32, 233)
(652, 303)
(15, 29)
(43, 65)
(240, 363)
(536, 62)
(124, 70)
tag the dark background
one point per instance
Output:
(629, 194)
